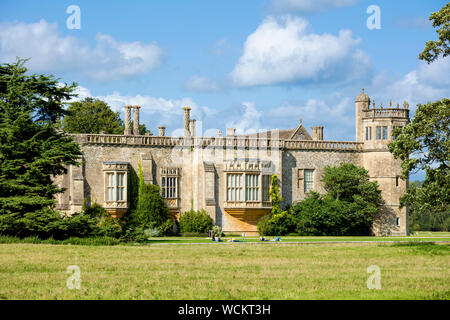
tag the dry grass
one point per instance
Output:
(235, 271)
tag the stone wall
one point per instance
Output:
(202, 165)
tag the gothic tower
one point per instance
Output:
(374, 127)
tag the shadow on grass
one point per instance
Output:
(428, 248)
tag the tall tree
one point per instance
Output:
(92, 116)
(424, 144)
(31, 149)
(274, 194)
(434, 49)
(347, 181)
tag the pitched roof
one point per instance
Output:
(299, 133)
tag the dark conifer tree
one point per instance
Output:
(32, 150)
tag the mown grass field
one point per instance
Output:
(417, 237)
(234, 271)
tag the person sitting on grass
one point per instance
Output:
(262, 239)
(277, 239)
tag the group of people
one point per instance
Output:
(273, 239)
(218, 239)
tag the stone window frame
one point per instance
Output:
(368, 133)
(301, 179)
(382, 133)
(244, 187)
(115, 169)
(308, 185)
(252, 184)
(170, 173)
(235, 185)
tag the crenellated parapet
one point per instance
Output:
(380, 112)
(234, 142)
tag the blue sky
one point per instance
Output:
(247, 64)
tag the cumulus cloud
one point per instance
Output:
(281, 50)
(428, 82)
(50, 52)
(154, 110)
(311, 5)
(335, 112)
(248, 119)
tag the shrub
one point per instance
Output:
(277, 224)
(109, 227)
(152, 232)
(94, 210)
(324, 216)
(167, 228)
(105, 225)
(264, 226)
(151, 211)
(91, 241)
(195, 221)
(78, 225)
(217, 231)
(274, 194)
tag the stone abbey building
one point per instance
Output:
(229, 175)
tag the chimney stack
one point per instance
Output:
(192, 127)
(317, 133)
(231, 131)
(136, 120)
(127, 110)
(186, 121)
(162, 131)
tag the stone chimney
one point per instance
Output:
(192, 127)
(187, 111)
(317, 133)
(231, 131)
(127, 110)
(136, 120)
(162, 131)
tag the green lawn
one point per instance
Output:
(234, 271)
(420, 237)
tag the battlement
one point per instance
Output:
(386, 113)
(380, 112)
(216, 142)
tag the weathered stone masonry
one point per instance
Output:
(229, 176)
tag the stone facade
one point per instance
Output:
(229, 176)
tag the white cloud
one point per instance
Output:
(52, 53)
(154, 111)
(311, 5)
(335, 112)
(202, 84)
(429, 82)
(248, 119)
(282, 51)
